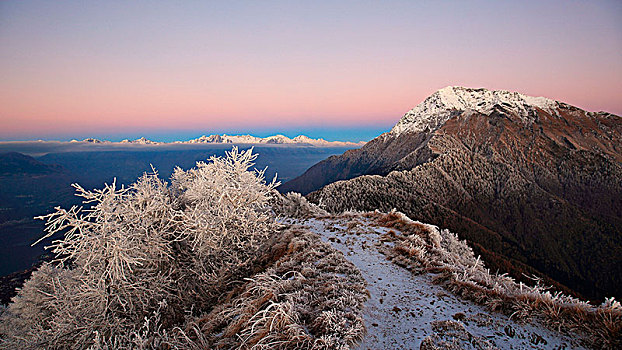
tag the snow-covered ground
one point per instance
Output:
(404, 309)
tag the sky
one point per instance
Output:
(341, 70)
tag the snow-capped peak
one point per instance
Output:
(140, 141)
(237, 139)
(321, 142)
(278, 139)
(275, 139)
(90, 140)
(439, 107)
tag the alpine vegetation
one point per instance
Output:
(423, 248)
(200, 262)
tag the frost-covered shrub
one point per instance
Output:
(223, 217)
(293, 204)
(140, 260)
(223, 204)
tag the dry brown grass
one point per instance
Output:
(310, 298)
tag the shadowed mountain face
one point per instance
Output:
(378, 156)
(14, 163)
(28, 188)
(534, 185)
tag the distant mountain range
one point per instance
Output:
(534, 184)
(237, 139)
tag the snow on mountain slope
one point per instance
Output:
(141, 141)
(439, 107)
(90, 140)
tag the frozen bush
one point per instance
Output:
(139, 252)
(293, 204)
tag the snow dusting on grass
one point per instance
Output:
(410, 311)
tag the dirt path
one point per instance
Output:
(404, 309)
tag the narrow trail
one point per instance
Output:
(407, 310)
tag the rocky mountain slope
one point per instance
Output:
(535, 185)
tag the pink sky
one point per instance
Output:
(111, 67)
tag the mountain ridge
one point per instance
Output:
(530, 182)
(14, 163)
(234, 139)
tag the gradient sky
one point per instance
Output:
(334, 69)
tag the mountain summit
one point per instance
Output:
(439, 107)
(534, 184)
